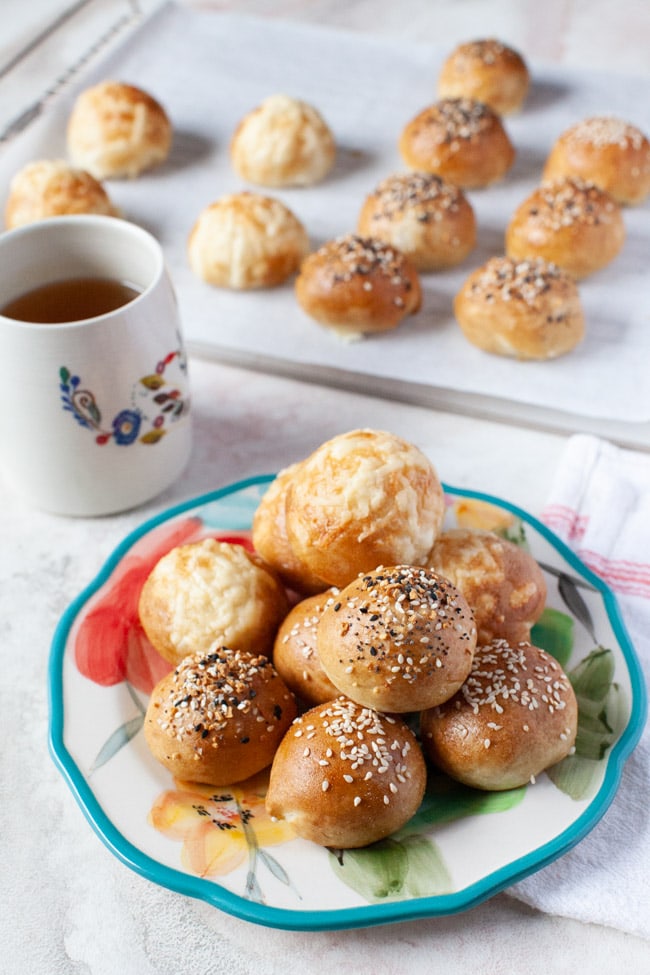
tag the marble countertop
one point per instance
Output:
(69, 905)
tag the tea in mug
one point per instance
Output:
(70, 300)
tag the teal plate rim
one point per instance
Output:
(373, 914)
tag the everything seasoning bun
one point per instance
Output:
(218, 717)
(528, 309)
(245, 240)
(573, 224)
(460, 139)
(210, 592)
(515, 715)
(429, 220)
(345, 776)
(283, 142)
(607, 151)
(118, 131)
(488, 71)
(397, 639)
(357, 286)
(51, 188)
(362, 499)
(295, 652)
(501, 581)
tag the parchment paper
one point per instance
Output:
(209, 69)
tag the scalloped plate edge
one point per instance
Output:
(437, 906)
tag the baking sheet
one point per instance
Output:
(209, 69)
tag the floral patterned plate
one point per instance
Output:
(461, 847)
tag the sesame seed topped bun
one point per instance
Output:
(345, 776)
(488, 70)
(460, 139)
(398, 639)
(429, 220)
(358, 285)
(219, 716)
(295, 652)
(607, 151)
(524, 309)
(515, 715)
(574, 224)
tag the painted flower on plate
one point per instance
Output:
(110, 644)
(220, 828)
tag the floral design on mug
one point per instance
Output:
(155, 405)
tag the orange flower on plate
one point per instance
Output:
(221, 828)
(476, 513)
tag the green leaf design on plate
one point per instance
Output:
(553, 632)
(275, 868)
(515, 532)
(446, 800)
(592, 677)
(120, 737)
(409, 864)
(602, 714)
(393, 869)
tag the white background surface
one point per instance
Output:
(68, 905)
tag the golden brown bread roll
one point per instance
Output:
(210, 592)
(460, 139)
(525, 309)
(398, 639)
(345, 776)
(270, 539)
(488, 71)
(283, 142)
(362, 499)
(502, 582)
(574, 224)
(117, 130)
(295, 651)
(607, 151)
(244, 240)
(358, 285)
(515, 715)
(429, 220)
(51, 188)
(218, 717)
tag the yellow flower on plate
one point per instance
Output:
(220, 828)
(475, 513)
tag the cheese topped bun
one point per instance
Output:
(283, 142)
(362, 499)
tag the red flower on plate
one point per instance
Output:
(110, 644)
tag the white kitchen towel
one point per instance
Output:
(600, 505)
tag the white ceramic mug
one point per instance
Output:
(94, 414)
